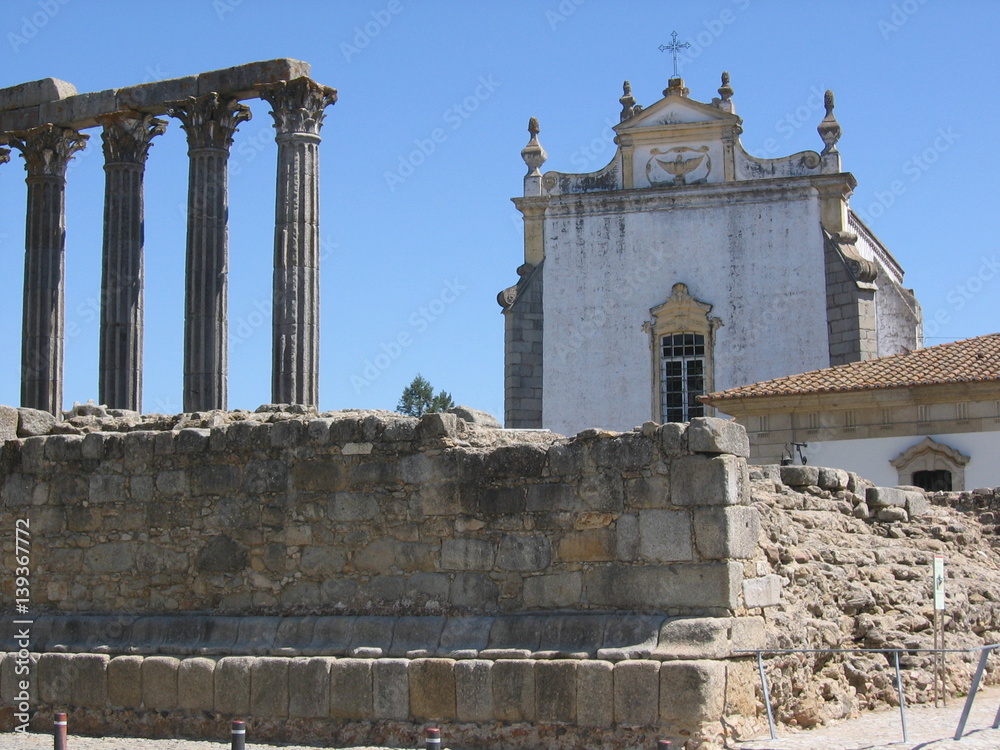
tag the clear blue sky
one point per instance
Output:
(420, 245)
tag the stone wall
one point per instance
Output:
(506, 584)
(363, 514)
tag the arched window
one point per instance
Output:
(683, 339)
(932, 466)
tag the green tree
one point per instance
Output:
(418, 398)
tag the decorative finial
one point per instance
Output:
(725, 90)
(533, 154)
(829, 129)
(628, 101)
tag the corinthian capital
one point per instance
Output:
(298, 105)
(210, 121)
(4, 155)
(47, 149)
(127, 136)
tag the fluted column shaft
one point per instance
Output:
(126, 145)
(298, 110)
(46, 151)
(210, 122)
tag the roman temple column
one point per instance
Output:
(47, 150)
(126, 139)
(210, 122)
(298, 110)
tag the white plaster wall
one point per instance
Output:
(870, 457)
(898, 320)
(757, 260)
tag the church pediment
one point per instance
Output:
(675, 110)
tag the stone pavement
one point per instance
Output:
(929, 728)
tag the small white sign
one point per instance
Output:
(938, 582)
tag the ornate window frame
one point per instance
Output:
(681, 313)
(930, 455)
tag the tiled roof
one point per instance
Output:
(968, 361)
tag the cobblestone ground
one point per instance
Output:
(928, 728)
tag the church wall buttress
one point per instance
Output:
(523, 339)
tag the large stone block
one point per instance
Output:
(881, 497)
(196, 684)
(800, 476)
(692, 692)
(269, 687)
(555, 690)
(372, 633)
(55, 678)
(587, 545)
(309, 687)
(665, 535)
(467, 554)
(714, 435)
(12, 684)
(35, 92)
(708, 637)
(524, 552)
(716, 585)
(710, 480)
(764, 591)
(152, 97)
(555, 590)
(916, 503)
(464, 634)
(474, 690)
(232, 685)
(159, 682)
(514, 690)
(8, 423)
(594, 687)
(351, 689)
(242, 80)
(630, 636)
(80, 111)
(89, 680)
(727, 533)
(637, 693)
(390, 689)
(432, 688)
(416, 634)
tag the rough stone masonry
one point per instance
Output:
(356, 574)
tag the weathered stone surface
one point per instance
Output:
(692, 692)
(464, 634)
(475, 416)
(702, 585)
(32, 422)
(891, 513)
(390, 689)
(432, 689)
(630, 637)
(33, 93)
(55, 678)
(665, 535)
(833, 479)
(269, 687)
(12, 684)
(467, 554)
(709, 480)
(416, 633)
(474, 690)
(8, 423)
(242, 80)
(594, 686)
(764, 591)
(637, 693)
(555, 690)
(125, 682)
(351, 689)
(514, 690)
(159, 682)
(524, 552)
(727, 533)
(800, 476)
(714, 435)
(557, 590)
(89, 680)
(881, 497)
(309, 687)
(916, 504)
(232, 685)
(196, 684)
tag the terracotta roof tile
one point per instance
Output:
(967, 361)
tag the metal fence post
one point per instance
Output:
(767, 694)
(902, 699)
(972, 693)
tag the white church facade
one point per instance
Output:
(687, 266)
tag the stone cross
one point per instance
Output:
(673, 47)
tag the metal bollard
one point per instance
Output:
(59, 732)
(433, 738)
(664, 745)
(239, 734)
